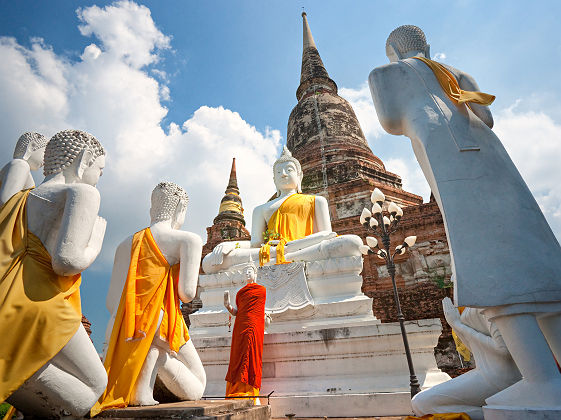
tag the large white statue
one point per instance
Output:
(52, 363)
(16, 174)
(153, 270)
(293, 227)
(495, 370)
(505, 257)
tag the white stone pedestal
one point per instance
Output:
(520, 413)
(330, 357)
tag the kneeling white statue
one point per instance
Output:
(293, 227)
(154, 269)
(16, 174)
(49, 366)
(495, 369)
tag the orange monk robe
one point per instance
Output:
(151, 287)
(294, 219)
(40, 311)
(245, 369)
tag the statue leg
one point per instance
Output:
(144, 390)
(338, 247)
(72, 381)
(550, 325)
(541, 382)
(184, 375)
(236, 256)
(465, 393)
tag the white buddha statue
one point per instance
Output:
(495, 370)
(291, 227)
(505, 258)
(153, 269)
(52, 362)
(16, 174)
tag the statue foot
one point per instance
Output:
(525, 393)
(143, 400)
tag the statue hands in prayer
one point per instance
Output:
(291, 227)
(65, 234)
(161, 263)
(495, 370)
(16, 174)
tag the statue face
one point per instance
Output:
(94, 171)
(286, 177)
(250, 274)
(35, 160)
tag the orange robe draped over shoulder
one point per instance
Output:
(40, 311)
(247, 342)
(151, 286)
(294, 219)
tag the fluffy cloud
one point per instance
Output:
(361, 101)
(114, 91)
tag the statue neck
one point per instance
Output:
(161, 224)
(286, 193)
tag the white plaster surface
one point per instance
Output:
(521, 413)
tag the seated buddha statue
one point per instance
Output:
(16, 174)
(291, 227)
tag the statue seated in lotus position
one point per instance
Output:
(16, 174)
(495, 369)
(48, 236)
(153, 270)
(291, 227)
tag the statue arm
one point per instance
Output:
(119, 275)
(81, 234)
(384, 91)
(190, 252)
(16, 176)
(258, 226)
(466, 82)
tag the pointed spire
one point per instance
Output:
(308, 38)
(314, 76)
(231, 204)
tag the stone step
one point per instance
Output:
(194, 410)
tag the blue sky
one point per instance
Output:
(175, 89)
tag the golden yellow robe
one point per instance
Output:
(294, 219)
(39, 310)
(451, 87)
(151, 286)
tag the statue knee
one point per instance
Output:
(421, 404)
(341, 246)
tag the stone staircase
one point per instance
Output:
(194, 410)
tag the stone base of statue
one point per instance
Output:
(324, 348)
(520, 413)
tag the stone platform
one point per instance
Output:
(194, 410)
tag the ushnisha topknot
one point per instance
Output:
(65, 146)
(407, 38)
(36, 140)
(165, 198)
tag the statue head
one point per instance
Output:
(169, 202)
(287, 172)
(250, 272)
(31, 148)
(77, 154)
(406, 41)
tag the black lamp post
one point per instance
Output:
(384, 226)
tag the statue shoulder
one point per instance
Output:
(17, 164)
(187, 237)
(81, 192)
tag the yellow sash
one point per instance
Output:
(294, 219)
(151, 286)
(39, 310)
(451, 87)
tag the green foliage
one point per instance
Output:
(270, 235)
(438, 276)
(4, 407)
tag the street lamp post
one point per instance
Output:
(384, 226)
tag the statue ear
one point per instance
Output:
(396, 51)
(427, 51)
(28, 150)
(177, 213)
(84, 160)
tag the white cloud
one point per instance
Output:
(411, 175)
(533, 141)
(112, 93)
(440, 56)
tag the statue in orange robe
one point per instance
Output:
(246, 352)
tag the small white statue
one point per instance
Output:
(164, 269)
(495, 370)
(16, 174)
(293, 227)
(62, 216)
(505, 258)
